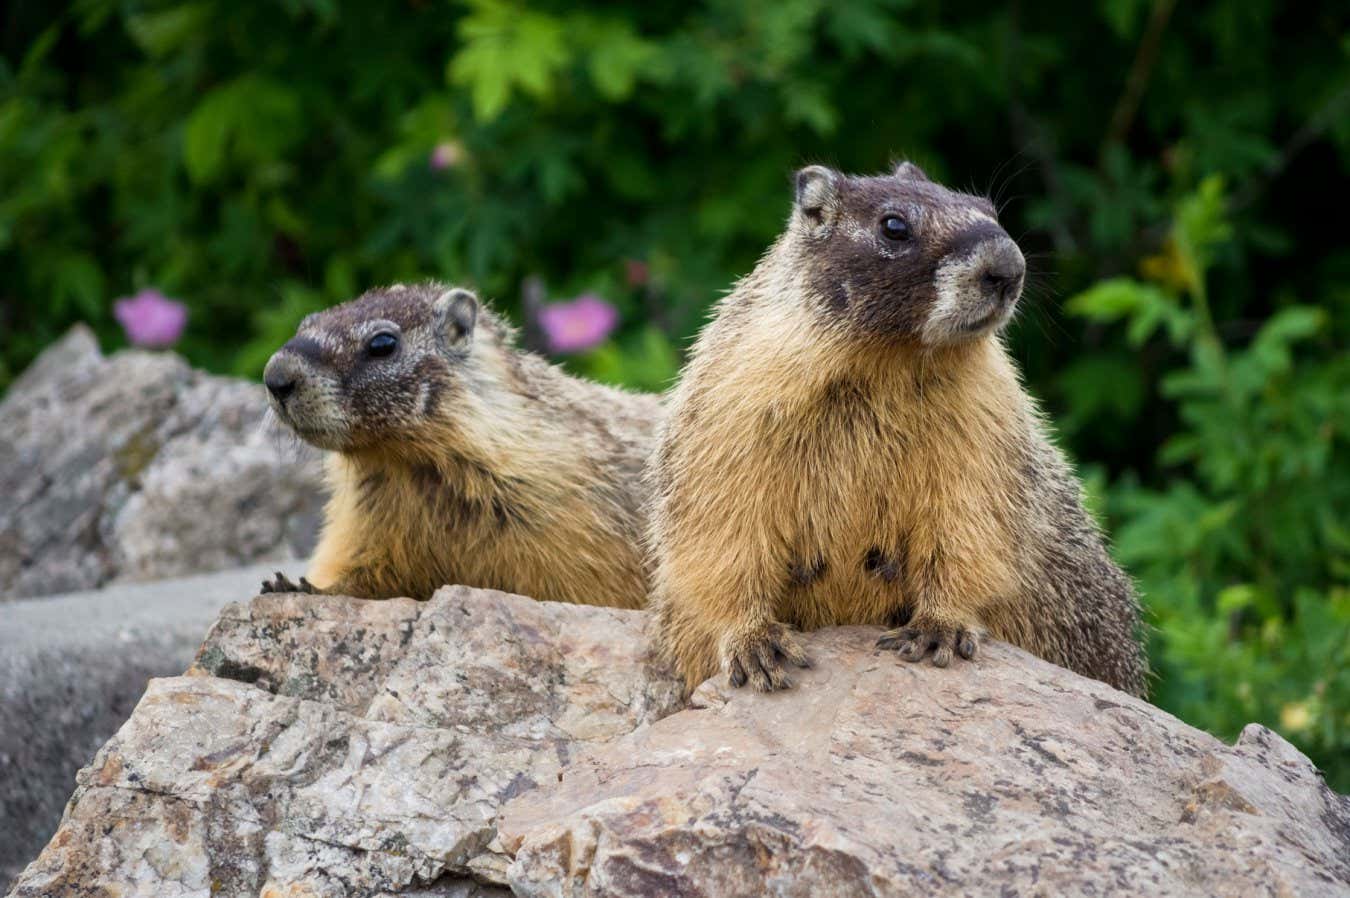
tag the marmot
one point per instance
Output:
(457, 458)
(849, 443)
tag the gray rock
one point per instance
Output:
(327, 746)
(484, 742)
(71, 670)
(137, 467)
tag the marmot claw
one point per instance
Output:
(914, 641)
(282, 583)
(758, 658)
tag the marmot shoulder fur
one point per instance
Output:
(457, 458)
(850, 444)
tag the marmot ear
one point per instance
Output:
(456, 314)
(817, 193)
(908, 171)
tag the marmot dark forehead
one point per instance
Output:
(408, 307)
(876, 192)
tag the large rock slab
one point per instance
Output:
(328, 746)
(875, 777)
(72, 668)
(488, 744)
(135, 466)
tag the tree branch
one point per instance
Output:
(1141, 72)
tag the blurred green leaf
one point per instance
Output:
(1201, 225)
(507, 47)
(1124, 15)
(618, 58)
(1100, 386)
(253, 118)
(1143, 306)
(164, 31)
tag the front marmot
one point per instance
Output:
(457, 458)
(850, 444)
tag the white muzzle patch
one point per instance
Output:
(970, 301)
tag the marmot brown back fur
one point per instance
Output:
(457, 458)
(850, 444)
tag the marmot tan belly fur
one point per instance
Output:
(456, 458)
(850, 444)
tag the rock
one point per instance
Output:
(325, 746)
(108, 465)
(71, 670)
(876, 777)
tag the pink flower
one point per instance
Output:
(151, 319)
(446, 154)
(578, 325)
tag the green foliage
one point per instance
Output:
(1239, 548)
(1179, 176)
(244, 123)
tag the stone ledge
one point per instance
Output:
(486, 744)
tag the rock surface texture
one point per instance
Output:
(488, 745)
(72, 668)
(135, 466)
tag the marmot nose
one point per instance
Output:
(998, 280)
(1003, 272)
(280, 377)
(279, 385)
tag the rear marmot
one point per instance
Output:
(850, 444)
(457, 458)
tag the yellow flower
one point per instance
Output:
(1169, 269)
(1296, 717)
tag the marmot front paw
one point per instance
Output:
(757, 658)
(913, 642)
(282, 583)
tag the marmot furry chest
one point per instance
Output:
(456, 458)
(850, 444)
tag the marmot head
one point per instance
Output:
(899, 256)
(373, 370)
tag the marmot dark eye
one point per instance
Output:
(382, 344)
(895, 228)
